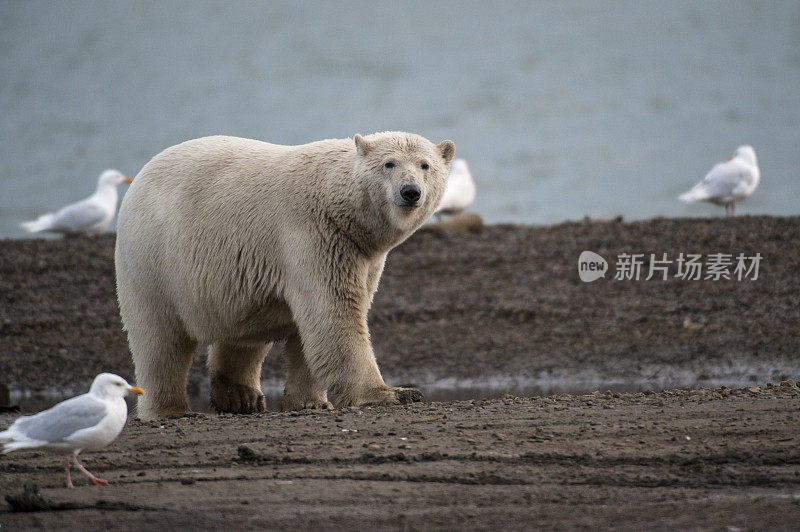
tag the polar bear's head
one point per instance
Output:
(407, 174)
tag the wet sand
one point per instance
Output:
(505, 306)
(707, 459)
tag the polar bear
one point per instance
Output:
(238, 243)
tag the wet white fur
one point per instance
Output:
(239, 243)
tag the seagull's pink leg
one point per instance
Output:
(733, 208)
(93, 479)
(69, 477)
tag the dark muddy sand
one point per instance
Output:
(710, 459)
(501, 310)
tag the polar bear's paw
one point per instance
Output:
(191, 415)
(236, 398)
(295, 403)
(171, 413)
(408, 395)
(387, 396)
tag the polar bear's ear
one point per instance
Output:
(362, 146)
(447, 149)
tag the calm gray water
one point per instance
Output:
(563, 109)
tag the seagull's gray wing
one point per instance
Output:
(63, 420)
(723, 179)
(78, 216)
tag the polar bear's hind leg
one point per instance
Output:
(236, 377)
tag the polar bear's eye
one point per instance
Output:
(389, 164)
(424, 166)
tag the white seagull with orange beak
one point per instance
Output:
(92, 215)
(84, 423)
(728, 182)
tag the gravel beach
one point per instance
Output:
(498, 314)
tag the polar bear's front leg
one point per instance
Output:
(332, 322)
(302, 390)
(236, 377)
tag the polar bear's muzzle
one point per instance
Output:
(409, 196)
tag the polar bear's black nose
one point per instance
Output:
(410, 193)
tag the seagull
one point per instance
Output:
(728, 182)
(460, 191)
(86, 422)
(92, 215)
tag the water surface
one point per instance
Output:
(563, 109)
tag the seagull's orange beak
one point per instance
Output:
(730, 158)
(136, 390)
(127, 180)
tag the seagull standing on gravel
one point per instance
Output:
(728, 182)
(86, 422)
(460, 191)
(92, 215)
